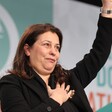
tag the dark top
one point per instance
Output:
(23, 95)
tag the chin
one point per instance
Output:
(50, 70)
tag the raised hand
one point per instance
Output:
(60, 93)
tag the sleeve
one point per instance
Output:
(12, 100)
(87, 69)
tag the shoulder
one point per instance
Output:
(10, 79)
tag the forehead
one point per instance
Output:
(50, 36)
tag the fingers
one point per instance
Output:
(48, 87)
(49, 90)
(67, 88)
(62, 87)
(71, 93)
(57, 85)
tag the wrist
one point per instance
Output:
(106, 12)
(57, 100)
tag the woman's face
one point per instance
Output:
(44, 54)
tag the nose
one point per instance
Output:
(53, 51)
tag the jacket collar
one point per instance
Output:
(37, 84)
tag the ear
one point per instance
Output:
(27, 49)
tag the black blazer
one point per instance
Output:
(23, 95)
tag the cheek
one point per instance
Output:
(40, 54)
(34, 54)
(58, 55)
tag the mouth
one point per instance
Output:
(51, 60)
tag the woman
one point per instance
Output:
(37, 83)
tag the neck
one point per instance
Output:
(44, 77)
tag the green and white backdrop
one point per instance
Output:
(78, 22)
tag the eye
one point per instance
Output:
(57, 47)
(47, 45)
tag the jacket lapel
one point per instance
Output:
(38, 86)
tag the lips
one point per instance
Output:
(51, 60)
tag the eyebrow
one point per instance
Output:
(50, 42)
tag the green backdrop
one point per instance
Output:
(22, 13)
